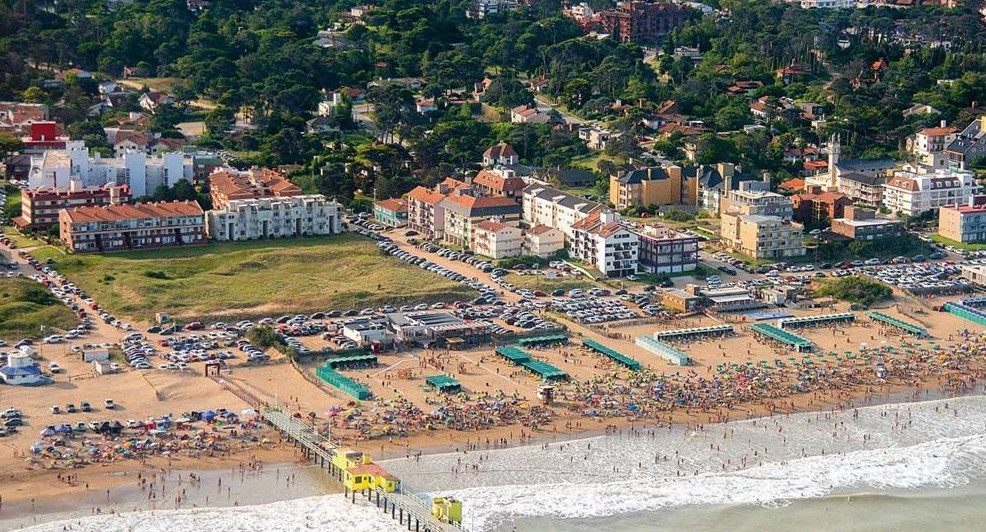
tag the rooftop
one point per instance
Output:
(138, 211)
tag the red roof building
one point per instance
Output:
(130, 227)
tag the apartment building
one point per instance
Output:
(813, 205)
(425, 213)
(274, 217)
(968, 144)
(40, 206)
(601, 241)
(862, 224)
(55, 169)
(918, 189)
(930, 143)
(497, 240)
(643, 22)
(753, 197)
(463, 212)
(129, 227)
(657, 185)
(762, 237)
(862, 188)
(963, 223)
(543, 241)
(499, 183)
(664, 250)
(544, 205)
(229, 184)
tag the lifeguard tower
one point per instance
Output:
(447, 510)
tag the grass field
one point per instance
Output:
(253, 278)
(26, 305)
(960, 245)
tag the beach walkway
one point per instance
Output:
(406, 508)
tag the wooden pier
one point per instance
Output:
(406, 509)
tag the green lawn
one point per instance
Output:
(253, 278)
(26, 305)
(960, 245)
(22, 241)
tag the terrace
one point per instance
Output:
(618, 357)
(799, 343)
(920, 332)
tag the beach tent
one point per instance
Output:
(48, 432)
(64, 429)
(208, 415)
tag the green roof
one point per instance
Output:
(343, 383)
(780, 335)
(813, 320)
(513, 354)
(547, 339)
(346, 360)
(900, 324)
(443, 383)
(615, 355)
(695, 331)
(545, 370)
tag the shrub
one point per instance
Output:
(855, 290)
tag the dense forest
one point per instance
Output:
(258, 59)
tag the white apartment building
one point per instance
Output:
(930, 143)
(602, 241)
(917, 189)
(54, 169)
(275, 217)
(543, 241)
(548, 206)
(496, 240)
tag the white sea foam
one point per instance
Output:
(807, 455)
(332, 513)
(906, 446)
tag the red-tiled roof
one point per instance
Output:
(370, 469)
(501, 149)
(424, 195)
(490, 225)
(137, 137)
(138, 211)
(539, 229)
(497, 182)
(393, 204)
(792, 184)
(938, 131)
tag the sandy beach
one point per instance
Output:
(731, 378)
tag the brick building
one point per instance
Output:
(40, 206)
(813, 205)
(643, 22)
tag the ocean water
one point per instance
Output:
(897, 467)
(745, 466)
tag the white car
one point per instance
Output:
(54, 367)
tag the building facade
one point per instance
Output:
(130, 227)
(228, 184)
(463, 212)
(861, 224)
(663, 250)
(497, 240)
(55, 169)
(544, 205)
(863, 189)
(543, 241)
(813, 205)
(658, 185)
(762, 237)
(643, 22)
(391, 212)
(40, 207)
(601, 241)
(963, 223)
(254, 219)
(916, 190)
